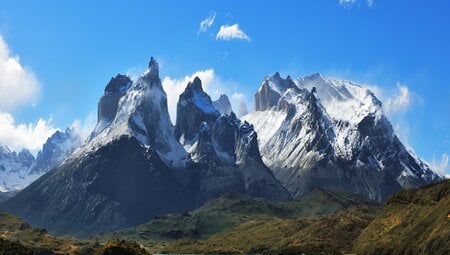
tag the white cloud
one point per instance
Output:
(238, 96)
(18, 84)
(396, 103)
(207, 23)
(174, 88)
(351, 3)
(230, 32)
(85, 126)
(441, 166)
(401, 100)
(211, 83)
(347, 2)
(26, 135)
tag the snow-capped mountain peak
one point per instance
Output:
(140, 111)
(330, 127)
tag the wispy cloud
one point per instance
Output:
(396, 104)
(26, 135)
(441, 166)
(85, 126)
(351, 3)
(232, 32)
(400, 101)
(208, 22)
(175, 86)
(238, 96)
(18, 85)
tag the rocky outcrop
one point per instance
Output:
(268, 95)
(108, 104)
(194, 106)
(223, 105)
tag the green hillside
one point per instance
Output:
(415, 221)
(237, 224)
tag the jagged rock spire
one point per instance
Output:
(153, 66)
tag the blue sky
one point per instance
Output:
(70, 49)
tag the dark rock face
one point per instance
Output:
(204, 150)
(269, 94)
(108, 104)
(224, 151)
(119, 185)
(266, 98)
(223, 104)
(194, 106)
(57, 148)
(226, 159)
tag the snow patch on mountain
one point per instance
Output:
(266, 123)
(343, 100)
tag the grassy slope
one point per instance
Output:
(8, 247)
(415, 221)
(234, 223)
(17, 231)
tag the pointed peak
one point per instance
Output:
(223, 97)
(153, 66)
(316, 76)
(195, 85)
(276, 75)
(153, 63)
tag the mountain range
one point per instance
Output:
(18, 170)
(309, 133)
